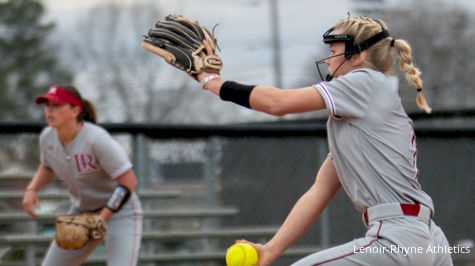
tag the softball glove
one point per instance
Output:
(75, 231)
(179, 41)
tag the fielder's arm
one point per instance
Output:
(127, 180)
(307, 209)
(43, 177)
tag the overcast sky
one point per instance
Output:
(244, 33)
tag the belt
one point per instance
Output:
(384, 211)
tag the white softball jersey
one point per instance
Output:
(371, 140)
(373, 148)
(88, 165)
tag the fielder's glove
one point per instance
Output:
(178, 40)
(75, 231)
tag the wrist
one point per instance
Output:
(236, 93)
(106, 214)
(31, 189)
(273, 252)
(208, 78)
(214, 85)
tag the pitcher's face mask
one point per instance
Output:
(350, 47)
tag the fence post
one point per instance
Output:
(211, 182)
(31, 249)
(211, 187)
(141, 172)
(140, 160)
(325, 217)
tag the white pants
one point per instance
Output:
(122, 241)
(401, 240)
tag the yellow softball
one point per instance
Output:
(241, 254)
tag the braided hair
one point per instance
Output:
(380, 54)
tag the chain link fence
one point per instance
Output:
(261, 171)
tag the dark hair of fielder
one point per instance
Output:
(88, 111)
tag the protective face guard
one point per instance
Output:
(350, 48)
(345, 38)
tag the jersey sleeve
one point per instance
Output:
(347, 96)
(42, 145)
(111, 156)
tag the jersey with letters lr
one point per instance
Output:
(88, 165)
(371, 140)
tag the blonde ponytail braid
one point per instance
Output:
(412, 73)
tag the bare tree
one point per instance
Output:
(29, 62)
(123, 76)
(442, 41)
(127, 82)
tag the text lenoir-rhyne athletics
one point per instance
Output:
(411, 250)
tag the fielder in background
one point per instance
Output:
(373, 154)
(97, 173)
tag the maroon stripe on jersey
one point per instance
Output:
(330, 99)
(414, 155)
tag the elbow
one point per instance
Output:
(276, 108)
(133, 185)
(129, 180)
(278, 112)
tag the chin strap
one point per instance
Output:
(330, 77)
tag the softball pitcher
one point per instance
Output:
(373, 154)
(97, 173)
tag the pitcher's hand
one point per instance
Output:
(266, 256)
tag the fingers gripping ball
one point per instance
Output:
(241, 254)
(75, 231)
